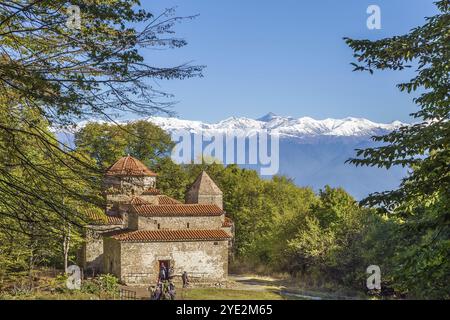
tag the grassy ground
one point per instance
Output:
(50, 296)
(226, 294)
(55, 288)
(184, 294)
(239, 287)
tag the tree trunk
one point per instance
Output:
(31, 266)
(66, 247)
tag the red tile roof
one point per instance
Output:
(151, 192)
(129, 166)
(178, 210)
(169, 235)
(164, 200)
(157, 200)
(139, 201)
(114, 220)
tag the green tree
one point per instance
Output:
(173, 180)
(52, 75)
(55, 187)
(422, 200)
(327, 241)
(66, 72)
(106, 143)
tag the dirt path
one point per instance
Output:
(282, 286)
(253, 283)
(256, 283)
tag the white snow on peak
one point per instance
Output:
(283, 126)
(278, 125)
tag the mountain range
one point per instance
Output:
(286, 127)
(312, 152)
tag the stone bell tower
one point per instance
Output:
(205, 191)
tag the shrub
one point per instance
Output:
(90, 287)
(109, 284)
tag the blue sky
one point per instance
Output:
(287, 57)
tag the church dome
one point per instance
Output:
(129, 166)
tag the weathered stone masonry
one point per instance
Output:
(139, 262)
(142, 228)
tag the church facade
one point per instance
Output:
(142, 229)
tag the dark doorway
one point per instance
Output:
(166, 264)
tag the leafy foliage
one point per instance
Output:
(105, 286)
(53, 187)
(106, 143)
(64, 72)
(51, 76)
(327, 237)
(422, 200)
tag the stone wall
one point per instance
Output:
(193, 197)
(91, 254)
(150, 198)
(111, 257)
(211, 199)
(151, 223)
(204, 261)
(120, 189)
(133, 221)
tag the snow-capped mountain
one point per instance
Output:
(283, 126)
(312, 152)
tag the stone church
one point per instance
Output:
(142, 228)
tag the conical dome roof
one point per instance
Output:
(205, 185)
(129, 166)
